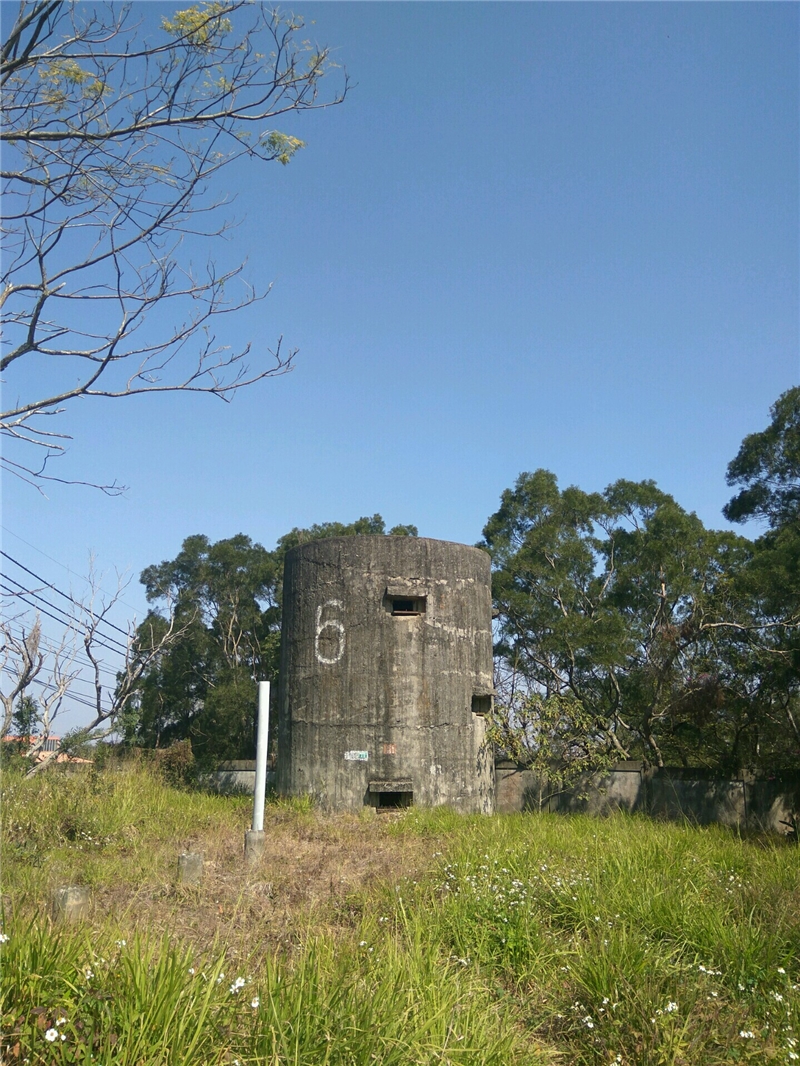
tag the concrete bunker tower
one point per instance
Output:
(386, 674)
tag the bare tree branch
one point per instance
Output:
(112, 134)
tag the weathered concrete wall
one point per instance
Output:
(376, 706)
(238, 775)
(671, 793)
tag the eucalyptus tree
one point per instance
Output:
(625, 604)
(766, 471)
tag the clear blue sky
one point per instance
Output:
(558, 235)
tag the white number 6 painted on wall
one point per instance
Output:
(336, 626)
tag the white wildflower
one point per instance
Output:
(745, 1034)
(51, 1035)
(255, 1002)
(3, 938)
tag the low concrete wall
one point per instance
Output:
(671, 793)
(236, 776)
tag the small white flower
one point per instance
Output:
(237, 984)
(793, 1055)
(51, 1035)
(745, 1034)
(3, 938)
(191, 969)
(120, 943)
(362, 943)
(61, 1021)
(255, 1002)
(88, 973)
(781, 970)
(670, 1007)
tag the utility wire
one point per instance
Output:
(36, 607)
(69, 619)
(64, 595)
(29, 592)
(63, 566)
(67, 694)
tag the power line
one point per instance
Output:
(70, 599)
(29, 592)
(63, 566)
(72, 696)
(21, 596)
(54, 646)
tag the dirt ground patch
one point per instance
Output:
(314, 872)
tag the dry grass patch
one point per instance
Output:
(316, 870)
(122, 833)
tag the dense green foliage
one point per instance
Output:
(767, 467)
(678, 642)
(628, 605)
(522, 940)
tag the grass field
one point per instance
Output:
(412, 937)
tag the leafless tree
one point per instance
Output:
(113, 132)
(111, 704)
(24, 662)
(27, 658)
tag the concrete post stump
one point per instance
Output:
(190, 867)
(72, 903)
(254, 843)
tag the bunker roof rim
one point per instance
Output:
(353, 537)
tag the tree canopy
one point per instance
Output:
(626, 604)
(624, 627)
(767, 467)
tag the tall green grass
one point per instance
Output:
(108, 827)
(67, 998)
(529, 939)
(624, 940)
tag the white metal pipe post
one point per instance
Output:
(262, 743)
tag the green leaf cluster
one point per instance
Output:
(657, 627)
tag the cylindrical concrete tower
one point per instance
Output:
(386, 673)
